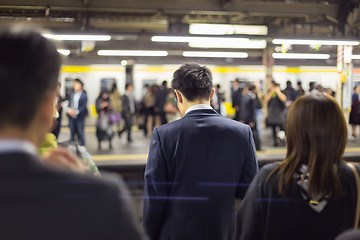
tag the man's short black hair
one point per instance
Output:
(193, 80)
(79, 81)
(29, 69)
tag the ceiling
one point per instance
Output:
(132, 23)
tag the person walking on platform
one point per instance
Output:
(196, 166)
(77, 112)
(236, 98)
(116, 104)
(354, 119)
(312, 193)
(38, 200)
(128, 110)
(104, 127)
(160, 102)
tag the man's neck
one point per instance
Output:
(188, 104)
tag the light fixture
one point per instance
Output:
(214, 42)
(242, 43)
(124, 62)
(314, 42)
(227, 29)
(300, 56)
(355, 57)
(65, 52)
(135, 53)
(215, 54)
(78, 37)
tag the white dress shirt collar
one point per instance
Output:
(198, 107)
(17, 146)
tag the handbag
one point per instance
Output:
(115, 117)
(357, 179)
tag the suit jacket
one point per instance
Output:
(196, 167)
(126, 111)
(42, 203)
(82, 105)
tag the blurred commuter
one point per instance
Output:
(354, 119)
(77, 112)
(259, 114)
(116, 104)
(58, 104)
(329, 92)
(236, 98)
(160, 102)
(275, 100)
(104, 127)
(300, 91)
(291, 96)
(217, 101)
(196, 166)
(312, 193)
(149, 104)
(128, 111)
(39, 201)
(170, 108)
(312, 86)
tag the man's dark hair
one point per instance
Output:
(79, 81)
(29, 68)
(193, 80)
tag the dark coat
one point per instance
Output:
(266, 215)
(41, 202)
(196, 168)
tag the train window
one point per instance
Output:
(106, 83)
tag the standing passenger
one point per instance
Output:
(160, 102)
(104, 128)
(128, 111)
(197, 166)
(275, 100)
(312, 193)
(354, 119)
(58, 104)
(77, 112)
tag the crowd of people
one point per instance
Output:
(249, 101)
(196, 166)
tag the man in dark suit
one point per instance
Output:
(77, 111)
(38, 201)
(196, 166)
(128, 111)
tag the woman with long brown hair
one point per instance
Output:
(312, 193)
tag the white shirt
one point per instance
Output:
(17, 146)
(76, 99)
(198, 107)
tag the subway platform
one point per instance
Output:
(125, 157)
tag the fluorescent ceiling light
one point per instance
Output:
(139, 53)
(314, 42)
(214, 42)
(228, 43)
(78, 37)
(65, 52)
(357, 57)
(300, 56)
(215, 54)
(227, 29)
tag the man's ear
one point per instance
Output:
(212, 93)
(179, 96)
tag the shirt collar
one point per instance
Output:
(198, 107)
(16, 146)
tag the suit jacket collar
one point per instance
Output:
(202, 112)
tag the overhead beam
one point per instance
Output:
(266, 8)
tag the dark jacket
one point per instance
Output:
(196, 168)
(41, 202)
(83, 112)
(265, 214)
